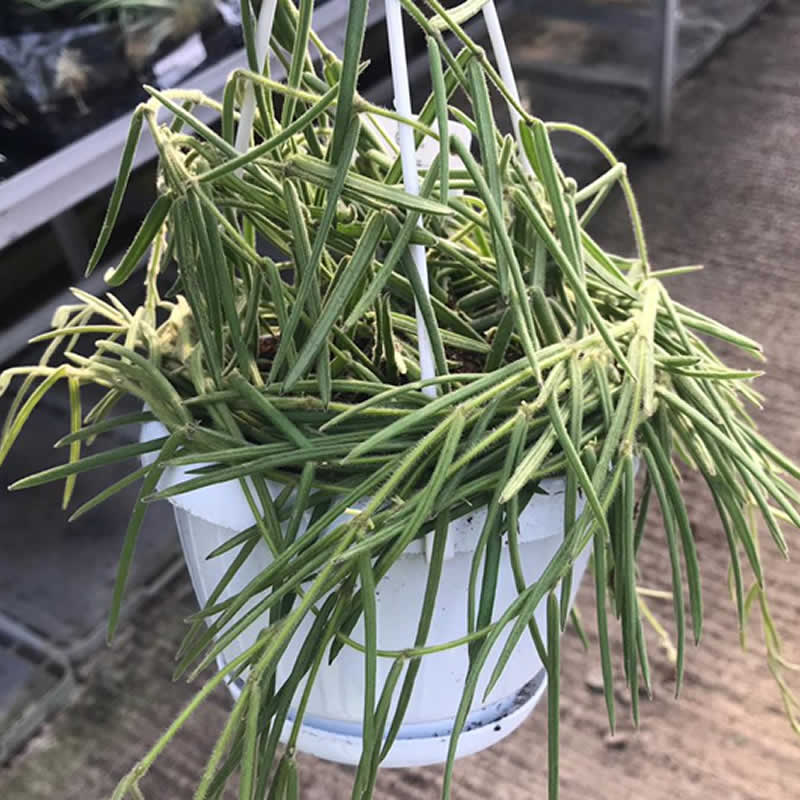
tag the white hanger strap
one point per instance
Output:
(266, 19)
(408, 156)
(501, 55)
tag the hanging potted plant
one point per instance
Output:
(395, 436)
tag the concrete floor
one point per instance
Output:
(728, 195)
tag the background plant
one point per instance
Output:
(298, 363)
(124, 9)
(147, 24)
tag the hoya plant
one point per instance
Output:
(284, 342)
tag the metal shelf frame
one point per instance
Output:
(40, 193)
(659, 22)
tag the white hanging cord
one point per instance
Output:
(266, 19)
(501, 55)
(408, 155)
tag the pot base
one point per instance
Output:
(418, 745)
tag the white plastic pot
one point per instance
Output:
(208, 517)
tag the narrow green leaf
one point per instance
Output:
(626, 577)
(351, 275)
(120, 185)
(530, 464)
(397, 252)
(134, 526)
(553, 695)
(501, 340)
(601, 545)
(353, 46)
(360, 188)
(15, 427)
(664, 468)
(442, 118)
(309, 262)
(141, 242)
(367, 580)
(572, 277)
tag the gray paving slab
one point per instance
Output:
(35, 682)
(769, 68)
(734, 15)
(602, 56)
(608, 112)
(56, 577)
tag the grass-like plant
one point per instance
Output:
(553, 357)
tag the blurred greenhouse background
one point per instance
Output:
(700, 97)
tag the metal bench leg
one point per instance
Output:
(69, 232)
(666, 39)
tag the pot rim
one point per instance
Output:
(224, 505)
